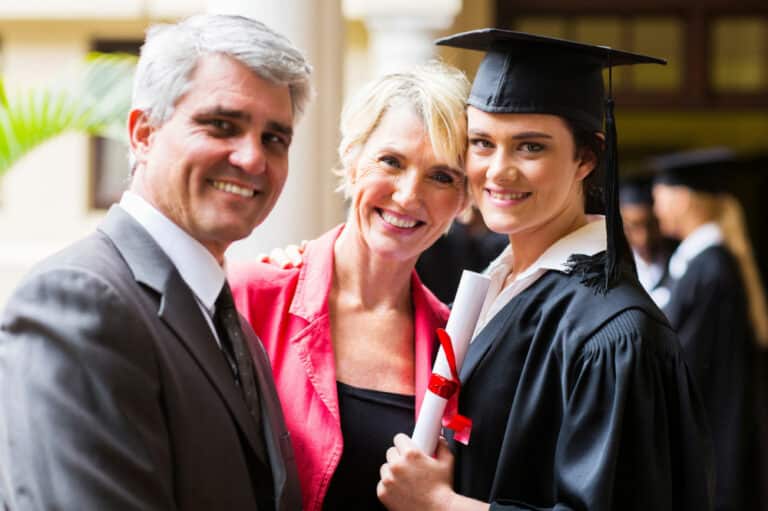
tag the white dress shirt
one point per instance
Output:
(196, 265)
(587, 240)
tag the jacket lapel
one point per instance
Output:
(310, 305)
(178, 310)
(276, 436)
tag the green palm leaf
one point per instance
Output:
(97, 103)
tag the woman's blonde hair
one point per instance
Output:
(729, 215)
(436, 92)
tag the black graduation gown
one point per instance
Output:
(582, 401)
(708, 309)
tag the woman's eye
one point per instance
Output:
(531, 147)
(443, 177)
(480, 143)
(390, 161)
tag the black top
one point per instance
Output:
(369, 421)
(440, 266)
(582, 401)
(708, 309)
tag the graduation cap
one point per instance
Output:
(698, 169)
(636, 191)
(527, 73)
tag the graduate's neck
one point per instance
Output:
(373, 282)
(527, 246)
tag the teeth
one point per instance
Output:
(397, 221)
(508, 196)
(232, 188)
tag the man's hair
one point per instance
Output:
(436, 92)
(171, 52)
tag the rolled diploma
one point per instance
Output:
(461, 325)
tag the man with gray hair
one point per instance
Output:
(127, 380)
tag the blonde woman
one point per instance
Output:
(350, 333)
(717, 306)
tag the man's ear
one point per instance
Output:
(140, 131)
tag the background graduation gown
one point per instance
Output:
(708, 309)
(582, 401)
(115, 395)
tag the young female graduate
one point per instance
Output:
(575, 382)
(718, 309)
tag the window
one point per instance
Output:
(716, 52)
(109, 158)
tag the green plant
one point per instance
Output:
(97, 103)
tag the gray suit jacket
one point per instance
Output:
(114, 394)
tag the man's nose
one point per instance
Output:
(248, 155)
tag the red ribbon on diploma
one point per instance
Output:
(449, 389)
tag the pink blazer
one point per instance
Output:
(288, 309)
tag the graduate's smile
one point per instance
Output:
(506, 197)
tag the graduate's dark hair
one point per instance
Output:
(586, 139)
(592, 268)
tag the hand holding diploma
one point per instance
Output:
(444, 381)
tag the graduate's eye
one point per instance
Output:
(531, 147)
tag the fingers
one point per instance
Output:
(392, 455)
(444, 454)
(293, 253)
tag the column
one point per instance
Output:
(308, 205)
(402, 32)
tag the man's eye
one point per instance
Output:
(221, 125)
(276, 141)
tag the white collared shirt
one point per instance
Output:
(697, 242)
(587, 240)
(196, 265)
(649, 274)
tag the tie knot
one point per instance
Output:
(225, 300)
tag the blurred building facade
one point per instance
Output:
(715, 92)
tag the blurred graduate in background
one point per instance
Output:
(718, 307)
(641, 227)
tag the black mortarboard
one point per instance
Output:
(527, 73)
(698, 169)
(636, 191)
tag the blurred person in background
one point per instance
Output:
(351, 332)
(717, 305)
(650, 249)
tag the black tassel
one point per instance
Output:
(613, 224)
(590, 269)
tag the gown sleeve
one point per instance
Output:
(632, 426)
